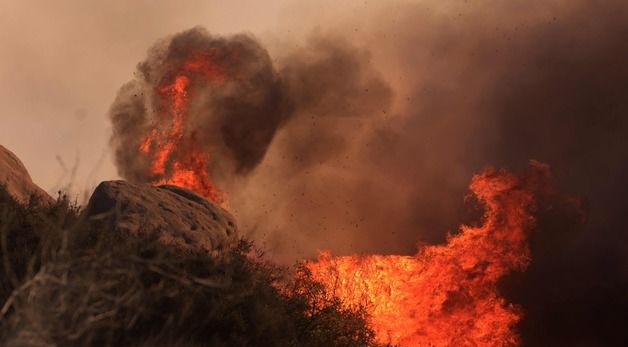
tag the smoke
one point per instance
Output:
(362, 142)
(235, 121)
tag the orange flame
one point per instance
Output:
(175, 156)
(445, 295)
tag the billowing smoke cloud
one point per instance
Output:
(235, 118)
(235, 113)
(371, 149)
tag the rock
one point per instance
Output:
(18, 182)
(175, 216)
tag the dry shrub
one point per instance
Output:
(67, 283)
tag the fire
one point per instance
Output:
(445, 295)
(175, 156)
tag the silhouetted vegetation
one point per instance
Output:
(64, 282)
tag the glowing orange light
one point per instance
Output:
(175, 156)
(445, 295)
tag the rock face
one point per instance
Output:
(175, 216)
(18, 182)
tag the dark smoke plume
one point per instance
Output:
(236, 120)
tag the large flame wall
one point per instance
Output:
(445, 295)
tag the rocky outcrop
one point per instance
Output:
(15, 177)
(175, 216)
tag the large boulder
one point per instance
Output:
(174, 216)
(15, 177)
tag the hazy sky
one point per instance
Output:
(62, 62)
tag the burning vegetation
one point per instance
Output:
(446, 295)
